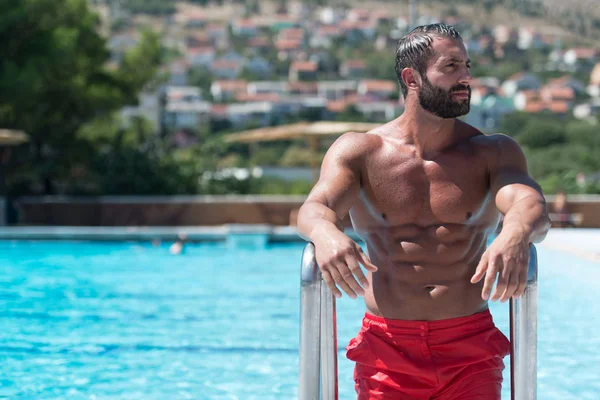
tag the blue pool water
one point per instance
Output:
(130, 321)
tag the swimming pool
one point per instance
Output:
(85, 320)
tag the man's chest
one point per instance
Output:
(451, 189)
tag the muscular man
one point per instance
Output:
(424, 192)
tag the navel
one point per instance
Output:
(383, 216)
(469, 215)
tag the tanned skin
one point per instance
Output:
(424, 193)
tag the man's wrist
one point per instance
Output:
(320, 228)
(518, 230)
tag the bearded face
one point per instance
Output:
(445, 103)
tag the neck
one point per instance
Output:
(429, 134)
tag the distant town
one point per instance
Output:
(309, 62)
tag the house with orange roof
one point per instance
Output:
(216, 30)
(338, 106)
(259, 113)
(226, 69)
(580, 57)
(268, 87)
(244, 27)
(226, 90)
(259, 44)
(289, 48)
(185, 108)
(381, 89)
(293, 104)
(335, 90)
(324, 36)
(198, 39)
(292, 34)
(568, 81)
(303, 71)
(261, 97)
(520, 81)
(557, 93)
(358, 15)
(195, 19)
(200, 56)
(177, 72)
(555, 107)
(353, 69)
(531, 101)
(303, 88)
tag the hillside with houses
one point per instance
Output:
(124, 97)
(320, 63)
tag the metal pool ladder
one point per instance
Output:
(318, 336)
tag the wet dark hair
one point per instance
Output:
(414, 49)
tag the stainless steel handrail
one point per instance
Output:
(318, 336)
(310, 327)
(523, 336)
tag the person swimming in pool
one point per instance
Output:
(424, 192)
(178, 246)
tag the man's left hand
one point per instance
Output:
(508, 259)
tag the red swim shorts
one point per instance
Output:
(453, 359)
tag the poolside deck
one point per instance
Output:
(579, 242)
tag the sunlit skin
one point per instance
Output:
(424, 193)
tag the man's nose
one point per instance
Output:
(466, 76)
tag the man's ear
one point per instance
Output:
(411, 78)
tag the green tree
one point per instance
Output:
(130, 160)
(542, 134)
(54, 78)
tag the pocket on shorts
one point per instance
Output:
(358, 349)
(501, 343)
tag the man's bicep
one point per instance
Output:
(509, 177)
(339, 180)
(511, 186)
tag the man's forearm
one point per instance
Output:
(528, 216)
(314, 215)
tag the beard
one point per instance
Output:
(441, 103)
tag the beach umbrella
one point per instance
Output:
(310, 131)
(12, 138)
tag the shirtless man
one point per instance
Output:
(424, 192)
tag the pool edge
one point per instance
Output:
(145, 233)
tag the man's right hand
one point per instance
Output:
(338, 258)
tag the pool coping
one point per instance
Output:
(580, 242)
(149, 233)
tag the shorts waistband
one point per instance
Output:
(478, 320)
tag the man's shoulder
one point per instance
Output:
(500, 150)
(494, 142)
(352, 145)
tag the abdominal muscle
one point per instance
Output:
(424, 273)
